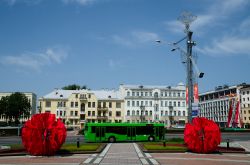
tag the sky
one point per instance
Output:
(47, 44)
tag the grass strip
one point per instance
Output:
(82, 147)
(166, 148)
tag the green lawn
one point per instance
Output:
(66, 147)
(83, 147)
(160, 147)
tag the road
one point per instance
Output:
(72, 139)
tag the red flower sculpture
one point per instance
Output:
(202, 135)
(43, 135)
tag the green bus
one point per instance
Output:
(113, 132)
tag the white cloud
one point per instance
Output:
(81, 2)
(135, 38)
(216, 14)
(36, 61)
(227, 46)
(28, 2)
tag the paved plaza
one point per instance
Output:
(131, 154)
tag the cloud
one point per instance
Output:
(81, 2)
(215, 15)
(36, 61)
(135, 38)
(227, 46)
(28, 2)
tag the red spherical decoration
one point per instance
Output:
(202, 135)
(43, 134)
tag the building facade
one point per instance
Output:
(163, 104)
(215, 104)
(245, 105)
(76, 107)
(32, 99)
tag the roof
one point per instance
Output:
(180, 86)
(107, 94)
(62, 94)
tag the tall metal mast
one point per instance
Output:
(187, 18)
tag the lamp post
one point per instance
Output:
(187, 18)
(141, 116)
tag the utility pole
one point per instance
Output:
(187, 18)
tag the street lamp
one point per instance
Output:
(142, 107)
(187, 18)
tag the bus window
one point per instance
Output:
(116, 130)
(93, 129)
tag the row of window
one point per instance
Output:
(150, 103)
(63, 113)
(150, 113)
(92, 113)
(246, 99)
(247, 92)
(163, 94)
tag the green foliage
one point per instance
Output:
(74, 87)
(15, 106)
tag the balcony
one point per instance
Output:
(102, 117)
(82, 112)
(73, 117)
(102, 109)
(83, 98)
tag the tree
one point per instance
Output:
(15, 106)
(74, 87)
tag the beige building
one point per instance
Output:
(245, 106)
(75, 107)
(31, 97)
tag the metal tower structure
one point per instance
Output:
(187, 18)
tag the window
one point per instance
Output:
(76, 95)
(162, 103)
(118, 113)
(133, 113)
(174, 94)
(128, 103)
(133, 103)
(179, 113)
(174, 113)
(89, 104)
(118, 105)
(141, 93)
(76, 104)
(89, 96)
(179, 94)
(161, 113)
(166, 103)
(146, 103)
(150, 113)
(128, 93)
(47, 104)
(110, 104)
(64, 113)
(110, 113)
(89, 113)
(146, 93)
(57, 114)
(179, 104)
(141, 103)
(71, 113)
(184, 113)
(137, 113)
(93, 104)
(99, 104)
(150, 103)
(128, 113)
(76, 113)
(146, 113)
(150, 93)
(166, 113)
(133, 93)
(93, 113)
(137, 103)
(104, 104)
(71, 104)
(170, 103)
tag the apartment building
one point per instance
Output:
(32, 99)
(76, 107)
(163, 104)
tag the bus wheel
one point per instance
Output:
(151, 138)
(112, 139)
